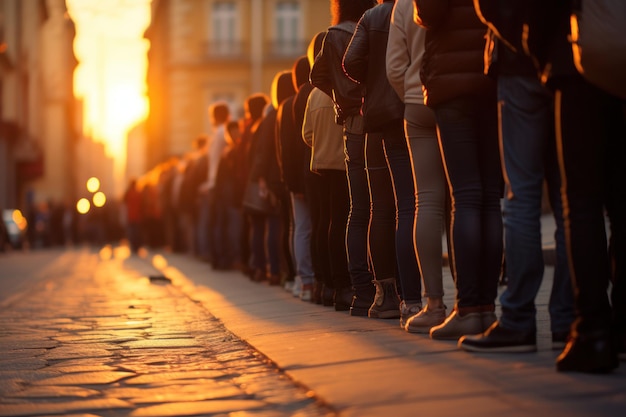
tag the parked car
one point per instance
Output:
(15, 226)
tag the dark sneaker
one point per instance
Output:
(559, 340)
(590, 353)
(343, 299)
(500, 339)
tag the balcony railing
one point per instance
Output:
(240, 51)
(285, 49)
(226, 50)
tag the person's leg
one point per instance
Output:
(580, 109)
(467, 159)
(339, 208)
(403, 182)
(526, 123)
(358, 220)
(382, 230)
(320, 267)
(257, 246)
(420, 128)
(273, 247)
(302, 239)
(492, 242)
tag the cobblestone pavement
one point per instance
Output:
(94, 335)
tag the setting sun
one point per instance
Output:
(111, 75)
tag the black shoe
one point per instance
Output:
(343, 299)
(328, 296)
(559, 340)
(362, 300)
(500, 339)
(590, 353)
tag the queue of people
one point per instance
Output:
(406, 120)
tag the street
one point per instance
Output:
(82, 332)
(88, 332)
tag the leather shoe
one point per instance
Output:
(590, 353)
(343, 299)
(500, 339)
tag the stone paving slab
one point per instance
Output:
(93, 336)
(366, 367)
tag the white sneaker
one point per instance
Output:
(297, 286)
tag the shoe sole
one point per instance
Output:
(500, 349)
(419, 330)
(383, 314)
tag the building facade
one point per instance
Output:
(202, 51)
(37, 124)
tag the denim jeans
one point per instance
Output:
(529, 155)
(403, 182)
(468, 136)
(359, 216)
(302, 239)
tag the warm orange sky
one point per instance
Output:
(110, 77)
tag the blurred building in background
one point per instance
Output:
(38, 125)
(202, 51)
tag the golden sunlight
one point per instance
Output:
(111, 74)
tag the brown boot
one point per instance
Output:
(386, 303)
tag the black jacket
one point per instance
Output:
(453, 62)
(364, 62)
(327, 73)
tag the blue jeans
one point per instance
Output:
(468, 136)
(529, 155)
(302, 231)
(359, 217)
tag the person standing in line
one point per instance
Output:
(253, 114)
(465, 105)
(309, 179)
(327, 75)
(292, 153)
(219, 115)
(405, 49)
(389, 170)
(132, 200)
(264, 170)
(591, 148)
(529, 158)
(327, 160)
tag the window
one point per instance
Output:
(288, 28)
(224, 29)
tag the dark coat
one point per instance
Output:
(327, 72)
(453, 63)
(364, 62)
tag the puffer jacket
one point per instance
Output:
(455, 42)
(327, 73)
(364, 62)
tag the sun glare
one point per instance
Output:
(111, 74)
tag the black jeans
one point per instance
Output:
(468, 137)
(592, 157)
(359, 216)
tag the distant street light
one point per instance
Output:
(93, 184)
(99, 199)
(83, 206)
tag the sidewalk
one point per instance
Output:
(367, 367)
